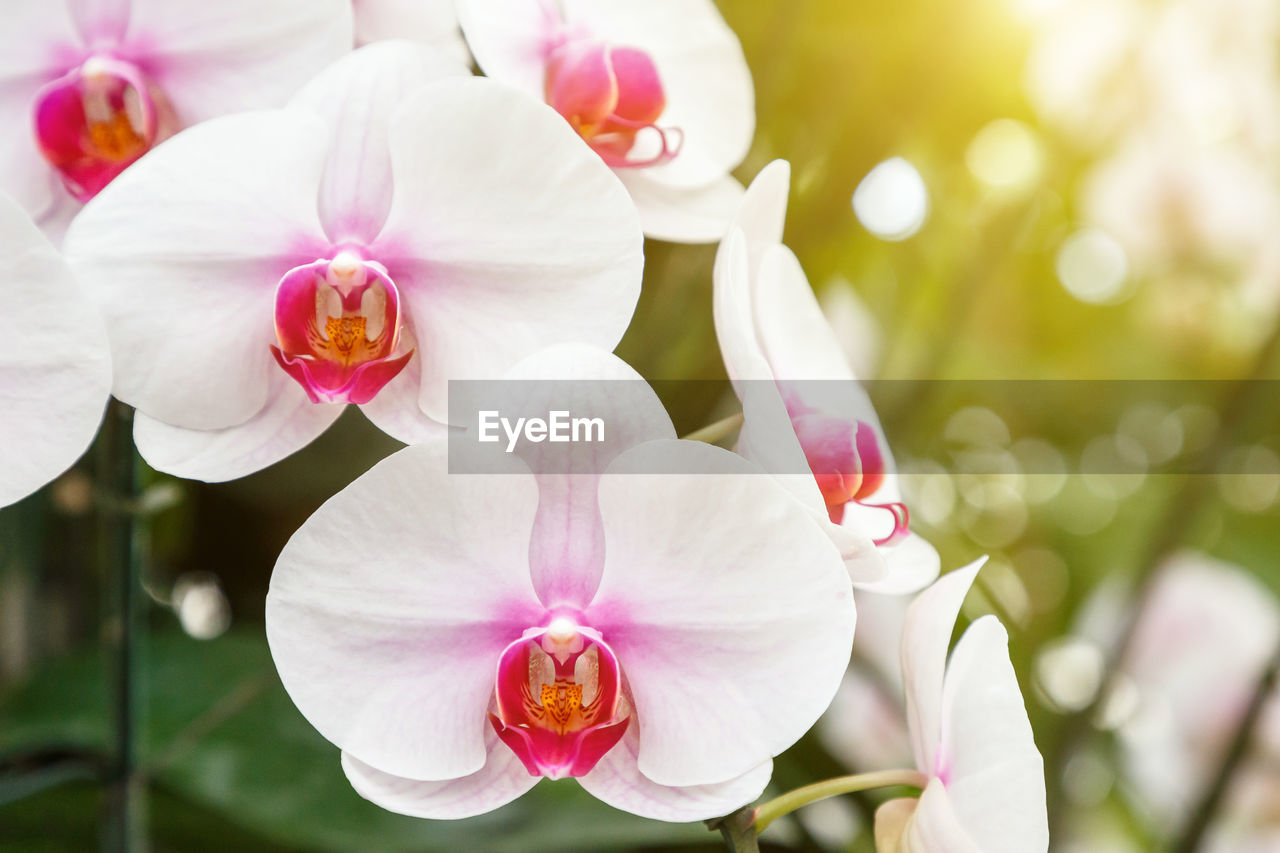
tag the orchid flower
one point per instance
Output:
(89, 86)
(55, 368)
(429, 22)
(970, 735)
(384, 233)
(806, 418)
(658, 88)
(461, 636)
(1202, 640)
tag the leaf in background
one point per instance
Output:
(222, 733)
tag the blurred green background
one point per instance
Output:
(985, 287)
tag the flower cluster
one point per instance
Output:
(271, 224)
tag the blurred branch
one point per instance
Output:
(26, 773)
(223, 710)
(1183, 509)
(1235, 754)
(123, 531)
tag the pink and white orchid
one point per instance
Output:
(1204, 634)
(658, 88)
(384, 233)
(89, 86)
(806, 418)
(439, 632)
(970, 735)
(55, 367)
(429, 22)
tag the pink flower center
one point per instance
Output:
(845, 459)
(559, 699)
(338, 328)
(95, 120)
(610, 95)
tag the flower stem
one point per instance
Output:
(122, 549)
(738, 830)
(712, 433)
(792, 800)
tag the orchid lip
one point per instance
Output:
(845, 459)
(559, 699)
(338, 328)
(94, 121)
(613, 97)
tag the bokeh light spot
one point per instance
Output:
(1251, 479)
(1092, 266)
(1069, 672)
(892, 201)
(1005, 154)
(202, 607)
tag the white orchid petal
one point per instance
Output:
(356, 97)
(506, 235)
(728, 608)
(288, 422)
(24, 174)
(617, 780)
(566, 554)
(183, 253)
(744, 359)
(98, 19)
(767, 436)
(892, 819)
(587, 381)
(767, 322)
(32, 41)
(387, 634)
(926, 636)
(683, 215)
(55, 368)
(934, 826)
(763, 213)
(508, 39)
(215, 58)
(911, 564)
(429, 22)
(794, 333)
(395, 410)
(33, 30)
(994, 773)
(501, 780)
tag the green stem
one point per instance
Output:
(123, 540)
(738, 830)
(712, 433)
(792, 800)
